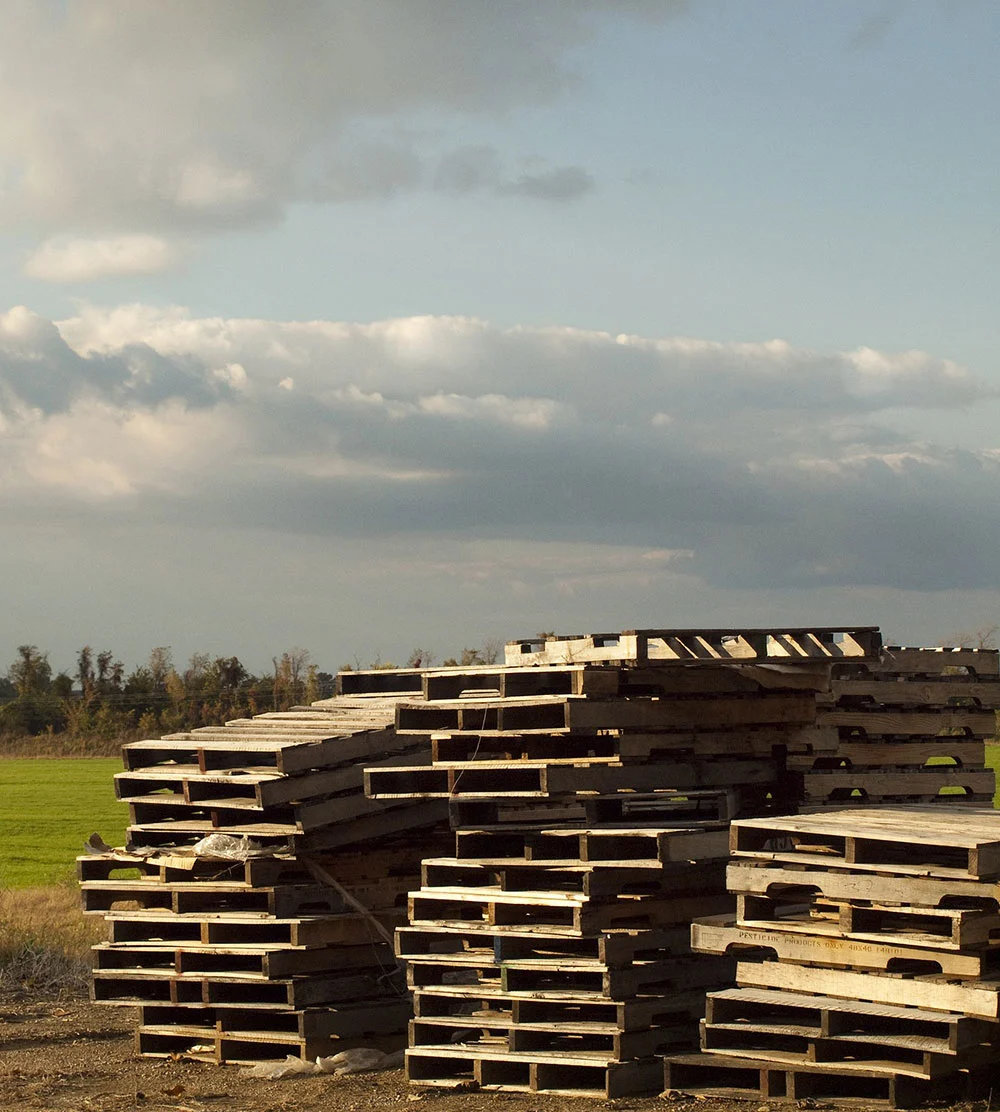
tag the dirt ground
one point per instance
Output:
(73, 1055)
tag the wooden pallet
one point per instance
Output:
(239, 817)
(936, 927)
(645, 746)
(232, 929)
(803, 879)
(599, 680)
(258, 791)
(782, 1044)
(913, 840)
(569, 975)
(380, 682)
(912, 755)
(563, 1038)
(612, 948)
(169, 867)
(979, 999)
(153, 986)
(472, 1002)
(582, 1073)
(246, 960)
(829, 1017)
(815, 942)
(611, 844)
(572, 714)
(269, 962)
(489, 779)
(903, 660)
(219, 748)
(930, 722)
(688, 646)
(371, 824)
(666, 807)
(885, 691)
(596, 881)
(380, 1017)
(203, 1044)
(193, 898)
(943, 784)
(563, 912)
(722, 1075)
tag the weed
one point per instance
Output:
(45, 941)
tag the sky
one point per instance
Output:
(364, 325)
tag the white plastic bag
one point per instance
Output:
(275, 1071)
(361, 1059)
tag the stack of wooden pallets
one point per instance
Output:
(250, 913)
(882, 931)
(591, 804)
(909, 728)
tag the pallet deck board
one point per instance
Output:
(916, 840)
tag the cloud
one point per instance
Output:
(378, 170)
(142, 117)
(564, 183)
(872, 30)
(75, 259)
(755, 465)
(477, 169)
(41, 376)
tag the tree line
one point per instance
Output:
(99, 701)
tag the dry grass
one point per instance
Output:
(45, 941)
(63, 745)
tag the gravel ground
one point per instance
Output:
(73, 1055)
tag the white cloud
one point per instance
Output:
(77, 259)
(528, 413)
(155, 117)
(747, 465)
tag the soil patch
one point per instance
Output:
(73, 1056)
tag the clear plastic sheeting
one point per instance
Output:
(228, 847)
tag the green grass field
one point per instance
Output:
(993, 761)
(48, 809)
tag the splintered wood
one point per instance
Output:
(869, 942)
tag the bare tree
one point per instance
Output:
(985, 637)
(160, 664)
